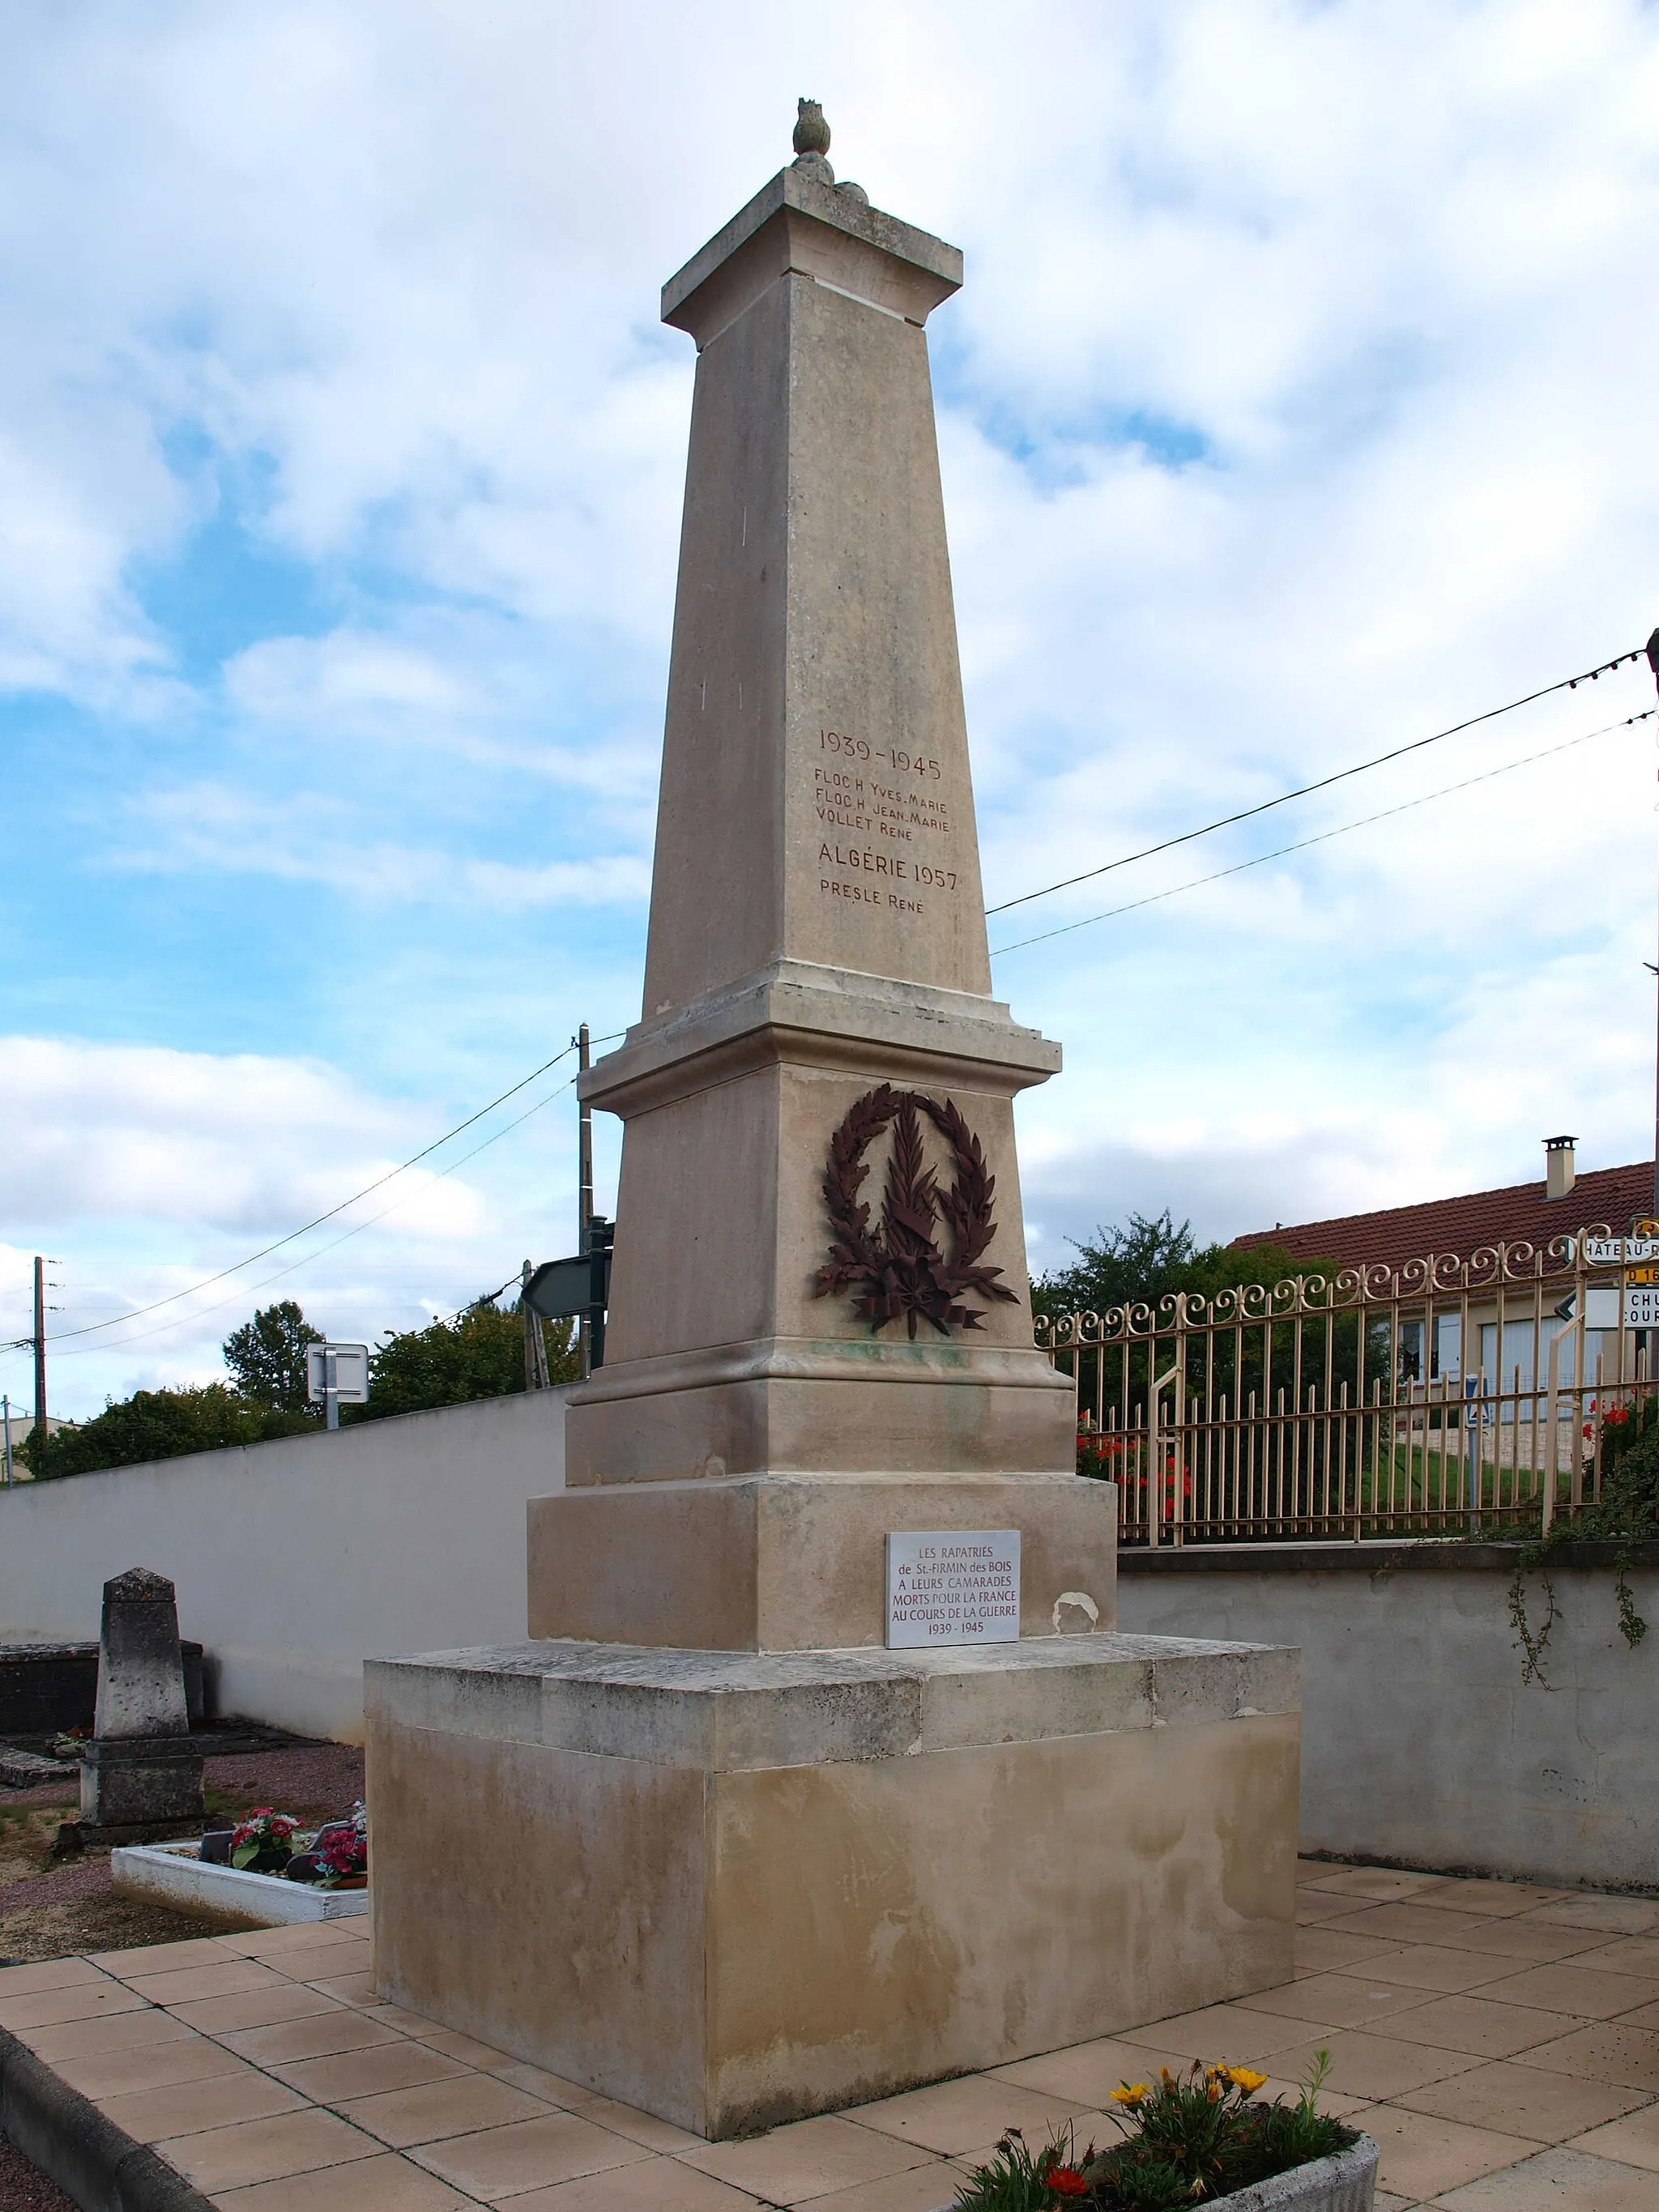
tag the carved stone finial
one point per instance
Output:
(811, 131)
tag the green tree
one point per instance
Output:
(1151, 1257)
(479, 1354)
(266, 1356)
(160, 1425)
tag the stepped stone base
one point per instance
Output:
(737, 1888)
(786, 1562)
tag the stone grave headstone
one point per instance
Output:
(141, 1770)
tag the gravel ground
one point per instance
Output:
(24, 2188)
(49, 1908)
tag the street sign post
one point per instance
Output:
(578, 1287)
(336, 1375)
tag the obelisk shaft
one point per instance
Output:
(817, 803)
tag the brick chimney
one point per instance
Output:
(1559, 1173)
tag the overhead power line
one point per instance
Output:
(118, 1321)
(307, 1259)
(1324, 836)
(1302, 791)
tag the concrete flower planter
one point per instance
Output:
(171, 1874)
(1346, 2182)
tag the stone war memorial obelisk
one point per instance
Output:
(823, 1773)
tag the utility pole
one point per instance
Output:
(5, 1414)
(39, 1354)
(584, 1190)
(1652, 663)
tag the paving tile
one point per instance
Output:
(1326, 1950)
(657, 2185)
(1527, 1937)
(267, 2150)
(1380, 1884)
(923, 2189)
(1634, 2141)
(390, 2183)
(1643, 2016)
(1337, 2000)
(352, 1988)
(1565, 2180)
(1372, 2065)
(1627, 1954)
(1087, 2073)
(634, 2126)
(1569, 1985)
(1315, 1906)
(320, 2035)
(395, 2064)
(256, 2008)
(470, 2103)
(1412, 1924)
(1475, 2024)
(1523, 2100)
(809, 2158)
(164, 1957)
(531, 2155)
(1236, 2032)
(75, 2001)
(1497, 1898)
(1608, 2051)
(960, 2115)
(226, 1979)
(152, 2066)
(551, 2088)
(1617, 1916)
(449, 2040)
(275, 1943)
(390, 2015)
(1435, 1967)
(1423, 2155)
(120, 2031)
(45, 1974)
(150, 2115)
(1386, 2200)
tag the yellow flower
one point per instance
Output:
(1242, 2077)
(1129, 2093)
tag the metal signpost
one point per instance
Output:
(336, 1375)
(578, 1286)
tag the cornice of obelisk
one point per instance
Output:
(803, 222)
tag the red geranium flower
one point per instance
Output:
(1066, 2181)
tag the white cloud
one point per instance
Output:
(1378, 274)
(220, 830)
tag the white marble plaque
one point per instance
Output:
(953, 1586)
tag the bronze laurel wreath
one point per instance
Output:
(897, 1268)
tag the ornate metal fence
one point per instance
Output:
(1444, 1395)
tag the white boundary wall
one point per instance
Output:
(1421, 1743)
(296, 1560)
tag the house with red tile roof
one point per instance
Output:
(1530, 1212)
(1509, 1340)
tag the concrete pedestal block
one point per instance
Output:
(735, 1889)
(134, 1782)
(796, 1563)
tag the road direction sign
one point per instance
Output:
(1642, 1306)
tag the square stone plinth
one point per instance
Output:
(735, 1889)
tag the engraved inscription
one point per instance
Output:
(881, 793)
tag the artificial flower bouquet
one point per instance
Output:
(262, 1841)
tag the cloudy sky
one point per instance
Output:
(1298, 403)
